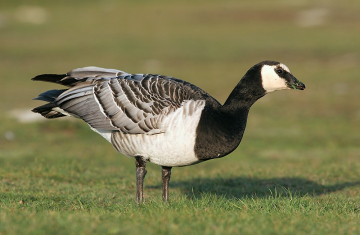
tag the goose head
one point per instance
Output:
(277, 76)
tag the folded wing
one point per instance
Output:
(112, 100)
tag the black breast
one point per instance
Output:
(219, 132)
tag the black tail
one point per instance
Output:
(63, 79)
(47, 110)
(55, 78)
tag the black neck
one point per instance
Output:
(246, 92)
(221, 127)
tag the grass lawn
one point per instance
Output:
(297, 170)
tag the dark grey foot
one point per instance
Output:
(140, 175)
(166, 173)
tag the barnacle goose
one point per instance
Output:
(161, 119)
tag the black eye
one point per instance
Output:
(279, 71)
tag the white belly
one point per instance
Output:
(173, 147)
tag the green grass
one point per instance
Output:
(297, 170)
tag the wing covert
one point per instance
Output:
(134, 104)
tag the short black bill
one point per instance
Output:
(296, 84)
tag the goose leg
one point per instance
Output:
(166, 173)
(140, 175)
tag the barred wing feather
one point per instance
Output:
(112, 100)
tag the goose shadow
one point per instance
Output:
(243, 187)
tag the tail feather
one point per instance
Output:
(47, 110)
(63, 79)
(50, 95)
(55, 78)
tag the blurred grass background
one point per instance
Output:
(306, 141)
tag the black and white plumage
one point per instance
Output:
(161, 119)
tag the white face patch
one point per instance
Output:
(271, 81)
(285, 67)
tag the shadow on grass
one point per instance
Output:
(241, 187)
